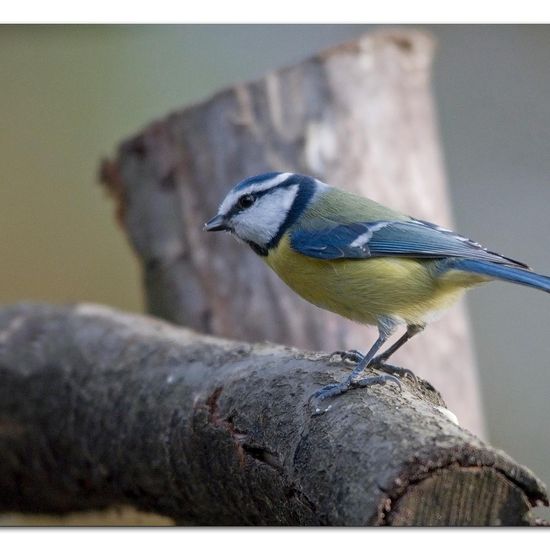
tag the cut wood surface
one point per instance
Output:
(360, 117)
(100, 409)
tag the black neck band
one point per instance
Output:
(306, 190)
(260, 250)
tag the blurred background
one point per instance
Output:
(70, 94)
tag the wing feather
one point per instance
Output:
(410, 238)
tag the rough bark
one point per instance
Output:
(99, 408)
(359, 116)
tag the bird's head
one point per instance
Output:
(259, 210)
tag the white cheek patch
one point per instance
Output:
(262, 221)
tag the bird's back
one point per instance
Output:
(339, 207)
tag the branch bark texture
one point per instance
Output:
(99, 408)
(359, 116)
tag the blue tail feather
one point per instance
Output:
(503, 272)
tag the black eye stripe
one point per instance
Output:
(258, 194)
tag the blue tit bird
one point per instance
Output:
(357, 258)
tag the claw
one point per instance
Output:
(319, 412)
(398, 371)
(332, 390)
(324, 393)
(411, 375)
(352, 355)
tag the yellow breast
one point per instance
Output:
(364, 290)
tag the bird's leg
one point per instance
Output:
(354, 380)
(410, 332)
(379, 361)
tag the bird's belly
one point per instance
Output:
(365, 290)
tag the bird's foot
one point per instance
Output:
(325, 392)
(332, 390)
(379, 363)
(351, 355)
(394, 370)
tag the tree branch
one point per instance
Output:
(99, 408)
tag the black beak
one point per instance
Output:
(217, 223)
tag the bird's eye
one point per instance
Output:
(246, 201)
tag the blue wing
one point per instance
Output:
(411, 238)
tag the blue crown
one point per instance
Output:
(253, 180)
